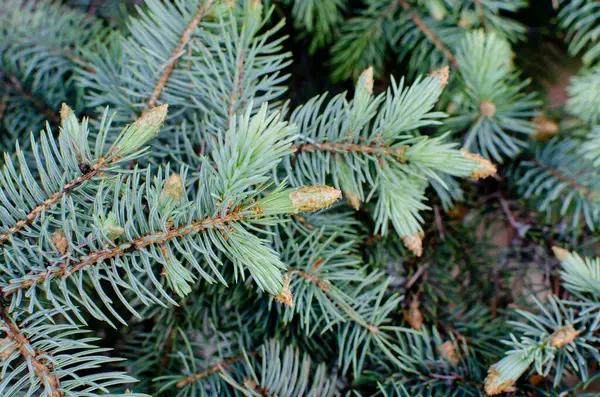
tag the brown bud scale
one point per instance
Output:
(312, 198)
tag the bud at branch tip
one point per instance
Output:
(313, 198)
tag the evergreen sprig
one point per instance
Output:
(560, 336)
(216, 256)
(41, 44)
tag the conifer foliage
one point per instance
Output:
(185, 211)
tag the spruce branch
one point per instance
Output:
(582, 103)
(348, 147)
(583, 190)
(64, 269)
(282, 372)
(15, 340)
(432, 364)
(228, 225)
(180, 232)
(552, 170)
(338, 138)
(215, 62)
(221, 365)
(42, 358)
(319, 18)
(171, 62)
(224, 243)
(41, 44)
(494, 110)
(39, 103)
(362, 41)
(577, 18)
(418, 21)
(559, 335)
(269, 368)
(79, 166)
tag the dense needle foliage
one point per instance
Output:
(299, 198)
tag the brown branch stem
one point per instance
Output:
(51, 201)
(66, 268)
(3, 105)
(563, 178)
(218, 367)
(237, 87)
(416, 18)
(36, 102)
(480, 12)
(255, 387)
(31, 355)
(348, 147)
(324, 285)
(174, 58)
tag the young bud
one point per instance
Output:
(563, 336)
(545, 127)
(486, 167)
(111, 227)
(352, 199)
(60, 241)
(399, 153)
(312, 198)
(413, 315)
(452, 108)
(140, 132)
(152, 119)
(173, 187)
(560, 253)
(414, 243)
(347, 183)
(66, 114)
(8, 346)
(459, 211)
(494, 384)
(487, 108)
(536, 379)
(366, 77)
(448, 351)
(285, 296)
(250, 384)
(70, 128)
(442, 74)
(436, 9)
(503, 375)
(467, 19)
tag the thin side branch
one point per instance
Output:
(35, 101)
(237, 86)
(347, 147)
(480, 12)
(218, 367)
(558, 175)
(3, 105)
(174, 58)
(325, 286)
(414, 15)
(31, 356)
(320, 282)
(52, 200)
(66, 268)
(255, 387)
